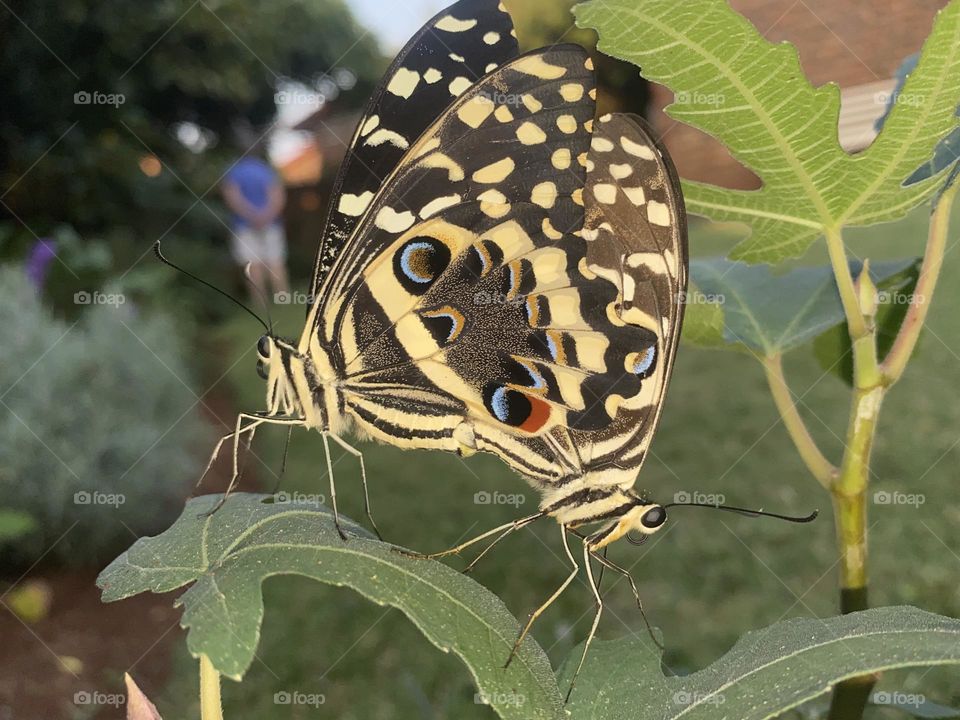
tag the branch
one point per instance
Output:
(903, 347)
(818, 465)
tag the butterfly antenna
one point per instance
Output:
(231, 298)
(260, 294)
(749, 512)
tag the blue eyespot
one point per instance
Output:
(407, 261)
(645, 362)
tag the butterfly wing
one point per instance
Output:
(424, 79)
(635, 225)
(473, 309)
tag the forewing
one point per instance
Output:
(453, 50)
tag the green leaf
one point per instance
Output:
(833, 349)
(770, 314)
(752, 95)
(228, 555)
(766, 673)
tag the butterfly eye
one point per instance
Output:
(654, 517)
(262, 369)
(263, 346)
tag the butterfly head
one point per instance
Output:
(279, 363)
(640, 520)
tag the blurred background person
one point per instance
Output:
(256, 198)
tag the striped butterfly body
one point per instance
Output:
(499, 273)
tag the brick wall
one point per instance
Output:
(847, 41)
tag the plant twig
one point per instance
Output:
(818, 465)
(210, 705)
(906, 340)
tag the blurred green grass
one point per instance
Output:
(704, 579)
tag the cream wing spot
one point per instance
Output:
(544, 194)
(403, 83)
(605, 193)
(390, 220)
(475, 111)
(503, 114)
(432, 75)
(549, 230)
(369, 125)
(495, 172)
(635, 195)
(636, 149)
(457, 58)
(567, 124)
(438, 204)
(561, 159)
(354, 205)
(458, 85)
(601, 144)
(490, 68)
(383, 135)
(531, 103)
(493, 203)
(452, 24)
(491, 38)
(571, 92)
(538, 67)
(529, 134)
(619, 172)
(658, 213)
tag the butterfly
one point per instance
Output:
(499, 272)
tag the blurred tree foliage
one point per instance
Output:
(547, 22)
(212, 63)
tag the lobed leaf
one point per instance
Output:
(752, 95)
(766, 673)
(226, 556)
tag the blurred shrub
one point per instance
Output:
(100, 437)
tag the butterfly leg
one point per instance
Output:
(216, 453)
(363, 477)
(604, 560)
(333, 488)
(550, 600)
(595, 586)
(236, 434)
(506, 529)
(517, 525)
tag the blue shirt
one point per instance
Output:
(254, 177)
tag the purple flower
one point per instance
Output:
(38, 261)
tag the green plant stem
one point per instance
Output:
(866, 369)
(210, 705)
(906, 340)
(818, 465)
